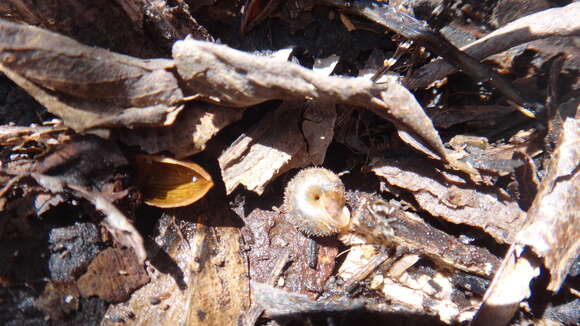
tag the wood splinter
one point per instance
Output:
(315, 203)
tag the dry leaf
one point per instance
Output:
(553, 229)
(562, 21)
(234, 78)
(188, 135)
(86, 86)
(113, 275)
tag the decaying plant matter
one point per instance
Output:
(435, 187)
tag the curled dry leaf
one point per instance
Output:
(86, 86)
(553, 228)
(167, 182)
(509, 287)
(234, 78)
(188, 135)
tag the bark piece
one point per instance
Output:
(295, 135)
(451, 198)
(113, 275)
(269, 235)
(380, 223)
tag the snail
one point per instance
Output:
(315, 201)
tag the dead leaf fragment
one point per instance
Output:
(551, 231)
(196, 125)
(113, 275)
(509, 287)
(61, 64)
(58, 299)
(553, 228)
(83, 85)
(168, 183)
(230, 77)
(218, 284)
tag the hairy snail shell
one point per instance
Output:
(314, 199)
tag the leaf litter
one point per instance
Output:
(427, 232)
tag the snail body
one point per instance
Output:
(315, 201)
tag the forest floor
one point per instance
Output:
(150, 151)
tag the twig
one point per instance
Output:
(367, 269)
(389, 17)
(117, 223)
(552, 22)
(9, 184)
(252, 315)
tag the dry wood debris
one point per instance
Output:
(461, 176)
